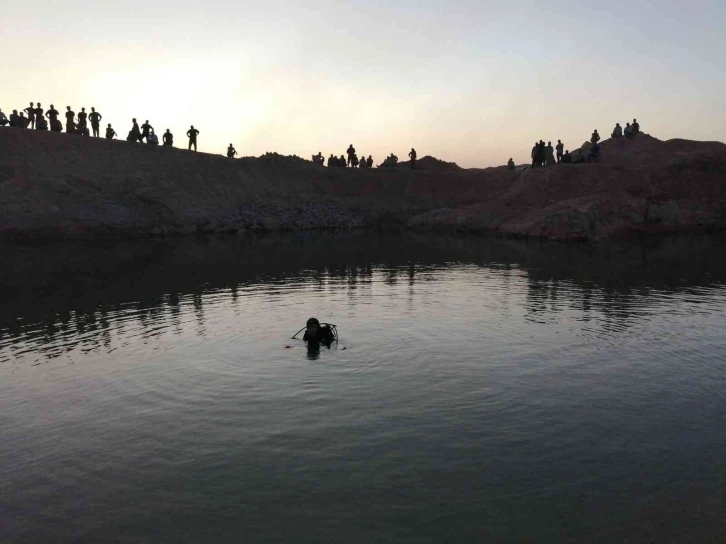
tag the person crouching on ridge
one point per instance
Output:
(231, 151)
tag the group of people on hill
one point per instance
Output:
(545, 155)
(39, 119)
(629, 131)
(354, 162)
(146, 132)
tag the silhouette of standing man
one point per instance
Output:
(70, 125)
(31, 115)
(145, 129)
(135, 135)
(95, 118)
(559, 147)
(192, 133)
(412, 154)
(351, 154)
(82, 117)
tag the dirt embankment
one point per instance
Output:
(60, 185)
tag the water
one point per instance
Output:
(482, 390)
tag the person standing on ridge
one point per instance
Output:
(535, 151)
(31, 115)
(82, 120)
(351, 152)
(636, 126)
(541, 153)
(39, 116)
(135, 134)
(549, 155)
(95, 118)
(110, 132)
(231, 151)
(192, 133)
(369, 162)
(595, 138)
(559, 147)
(70, 116)
(168, 138)
(52, 115)
(146, 128)
(412, 156)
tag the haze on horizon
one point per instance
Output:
(474, 82)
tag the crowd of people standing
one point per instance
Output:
(39, 119)
(542, 155)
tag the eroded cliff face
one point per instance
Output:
(61, 185)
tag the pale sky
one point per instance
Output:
(474, 82)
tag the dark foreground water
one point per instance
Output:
(482, 391)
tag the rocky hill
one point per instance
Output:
(70, 186)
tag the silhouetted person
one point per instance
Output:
(510, 164)
(559, 147)
(82, 119)
(152, 138)
(23, 121)
(55, 124)
(168, 138)
(369, 162)
(535, 152)
(341, 161)
(146, 128)
(636, 126)
(41, 123)
(617, 131)
(14, 119)
(412, 156)
(332, 160)
(351, 152)
(52, 114)
(231, 151)
(70, 117)
(38, 115)
(541, 153)
(595, 138)
(628, 130)
(83, 130)
(135, 132)
(3, 119)
(567, 158)
(110, 132)
(319, 159)
(549, 155)
(31, 114)
(95, 119)
(192, 133)
(72, 128)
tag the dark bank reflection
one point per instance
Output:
(62, 296)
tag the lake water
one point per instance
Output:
(481, 391)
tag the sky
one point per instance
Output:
(474, 81)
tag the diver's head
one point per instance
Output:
(313, 326)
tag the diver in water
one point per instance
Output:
(319, 334)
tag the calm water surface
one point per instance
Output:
(481, 391)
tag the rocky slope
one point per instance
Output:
(60, 185)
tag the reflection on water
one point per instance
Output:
(481, 389)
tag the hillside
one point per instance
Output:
(70, 186)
